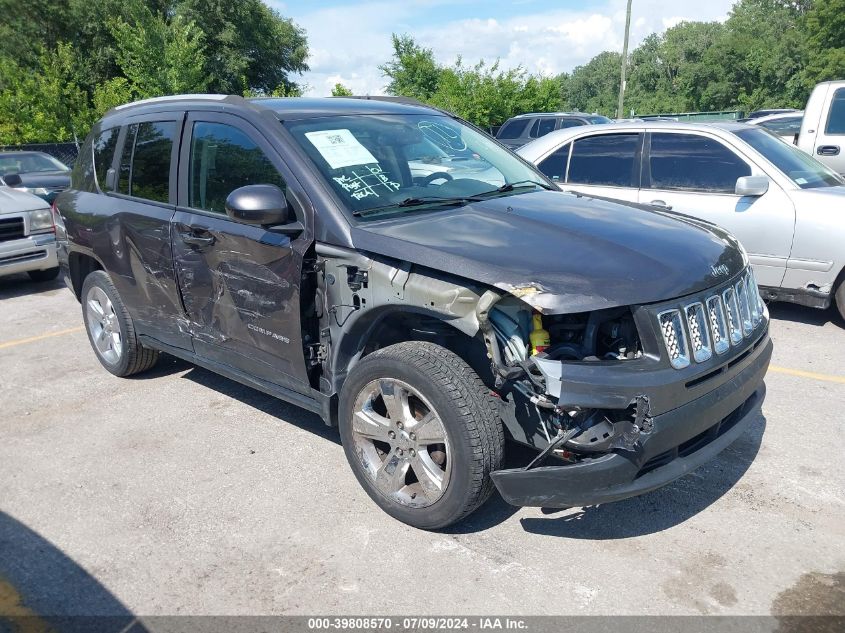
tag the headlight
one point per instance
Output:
(40, 221)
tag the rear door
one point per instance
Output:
(136, 249)
(602, 165)
(695, 173)
(239, 282)
(830, 139)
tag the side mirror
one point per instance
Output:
(13, 180)
(752, 186)
(258, 204)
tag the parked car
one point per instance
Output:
(27, 236)
(786, 125)
(524, 128)
(823, 129)
(34, 172)
(761, 113)
(785, 207)
(287, 244)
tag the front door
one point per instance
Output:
(239, 282)
(696, 174)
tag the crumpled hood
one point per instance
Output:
(14, 201)
(563, 252)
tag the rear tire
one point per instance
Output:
(110, 329)
(421, 432)
(44, 275)
(840, 298)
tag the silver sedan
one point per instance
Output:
(786, 208)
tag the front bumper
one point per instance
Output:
(681, 440)
(36, 252)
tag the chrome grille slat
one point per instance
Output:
(674, 337)
(718, 324)
(744, 311)
(698, 332)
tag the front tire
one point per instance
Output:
(421, 432)
(110, 329)
(840, 298)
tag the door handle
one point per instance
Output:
(828, 150)
(197, 240)
(660, 204)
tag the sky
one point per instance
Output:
(348, 40)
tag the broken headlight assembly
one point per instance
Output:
(535, 371)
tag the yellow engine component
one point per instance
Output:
(539, 337)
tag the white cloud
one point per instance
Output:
(348, 43)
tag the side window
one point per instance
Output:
(687, 161)
(513, 129)
(145, 160)
(542, 127)
(151, 160)
(606, 159)
(104, 146)
(554, 166)
(222, 159)
(565, 123)
(836, 118)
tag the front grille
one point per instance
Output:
(11, 229)
(715, 323)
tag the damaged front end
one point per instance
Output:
(608, 402)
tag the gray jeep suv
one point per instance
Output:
(295, 245)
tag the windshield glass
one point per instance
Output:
(29, 163)
(597, 118)
(387, 164)
(804, 170)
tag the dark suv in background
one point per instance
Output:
(524, 128)
(299, 247)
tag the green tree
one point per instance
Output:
(340, 90)
(824, 29)
(248, 45)
(48, 104)
(160, 56)
(594, 86)
(412, 69)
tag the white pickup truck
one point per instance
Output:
(823, 129)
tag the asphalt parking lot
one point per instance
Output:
(181, 492)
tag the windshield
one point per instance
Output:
(595, 119)
(387, 164)
(29, 163)
(804, 170)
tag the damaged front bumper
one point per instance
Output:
(679, 440)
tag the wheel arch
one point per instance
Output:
(80, 265)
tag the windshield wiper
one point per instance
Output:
(418, 201)
(510, 186)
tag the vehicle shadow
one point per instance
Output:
(805, 315)
(20, 285)
(661, 509)
(279, 409)
(42, 589)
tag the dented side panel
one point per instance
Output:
(241, 295)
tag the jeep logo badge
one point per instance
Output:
(721, 269)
